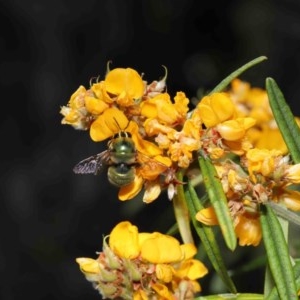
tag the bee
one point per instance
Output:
(120, 157)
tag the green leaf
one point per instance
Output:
(181, 213)
(208, 239)
(284, 213)
(218, 200)
(225, 82)
(284, 118)
(232, 297)
(278, 255)
(274, 294)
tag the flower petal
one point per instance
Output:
(94, 105)
(164, 272)
(248, 231)
(215, 109)
(162, 291)
(123, 240)
(124, 80)
(192, 269)
(129, 191)
(291, 199)
(160, 248)
(207, 216)
(189, 250)
(106, 125)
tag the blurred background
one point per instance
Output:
(49, 216)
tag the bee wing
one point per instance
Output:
(93, 164)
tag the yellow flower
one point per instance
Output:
(250, 102)
(100, 92)
(191, 269)
(215, 109)
(225, 131)
(267, 137)
(159, 248)
(254, 103)
(152, 191)
(75, 113)
(129, 191)
(248, 230)
(143, 265)
(107, 124)
(124, 240)
(262, 161)
(207, 216)
(178, 145)
(164, 272)
(291, 199)
(269, 175)
(164, 111)
(292, 173)
(233, 130)
(126, 84)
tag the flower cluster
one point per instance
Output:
(151, 136)
(263, 175)
(165, 133)
(254, 102)
(139, 265)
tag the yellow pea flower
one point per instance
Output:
(126, 84)
(248, 230)
(124, 241)
(291, 199)
(292, 173)
(159, 248)
(161, 108)
(95, 106)
(262, 161)
(215, 109)
(191, 268)
(164, 272)
(129, 191)
(107, 124)
(75, 113)
(140, 265)
(207, 216)
(233, 130)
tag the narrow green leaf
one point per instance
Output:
(284, 118)
(208, 239)
(284, 213)
(232, 297)
(274, 294)
(182, 214)
(225, 82)
(218, 200)
(278, 255)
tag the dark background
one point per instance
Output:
(49, 216)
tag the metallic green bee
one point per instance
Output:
(120, 157)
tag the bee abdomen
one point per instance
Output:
(121, 174)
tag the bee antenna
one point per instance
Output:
(117, 123)
(120, 126)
